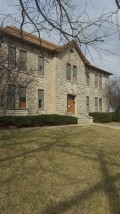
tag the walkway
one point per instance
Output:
(106, 125)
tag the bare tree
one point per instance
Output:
(13, 70)
(64, 19)
(114, 93)
(60, 19)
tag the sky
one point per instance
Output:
(109, 62)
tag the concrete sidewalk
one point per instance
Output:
(106, 125)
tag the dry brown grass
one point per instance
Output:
(60, 170)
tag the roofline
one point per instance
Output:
(9, 34)
(99, 69)
(74, 44)
(38, 43)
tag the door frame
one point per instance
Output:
(72, 96)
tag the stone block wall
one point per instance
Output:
(54, 83)
(65, 87)
(34, 81)
(93, 92)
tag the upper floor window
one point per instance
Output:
(12, 57)
(75, 73)
(96, 81)
(100, 82)
(11, 97)
(96, 104)
(40, 65)
(87, 104)
(22, 98)
(40, 99)
(87, 78)
(100, 104)
(68, 72)
(23, 60)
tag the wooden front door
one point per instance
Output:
(71, 104)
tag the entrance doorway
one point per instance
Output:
(71, 103)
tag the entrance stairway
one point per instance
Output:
(85, 119)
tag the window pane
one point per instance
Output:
(96, 81)
(22, 98)
(12, 57)
(100, 104)
(74, 73)
(68, 72)
(96, 104)
(40, 65)
(11, 97)
(41, 99)
(100, 82)
(87, 78)
(23, 60)
(87, 104)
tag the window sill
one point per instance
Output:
(39, 75)
(18, 109)
(99, 89)
(23, 109)
(71, 81)
(75, 82)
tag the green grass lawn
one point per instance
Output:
(60, 170)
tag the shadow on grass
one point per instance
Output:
(107, 185)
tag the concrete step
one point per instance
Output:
(85, 120)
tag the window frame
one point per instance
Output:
(11, 63)
(100, 105)
(67, 76)
(22, 66)
(96, 82)
(10, 97)
(87, 104)
(100, 82)
(96, 106)
(21, 99)
(40, 71)
(42, 100)
(74, 70)
(87, 78)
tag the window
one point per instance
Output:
(68, 72)
(87, 104)
(100, 82)
(41, 99)
(74, 73)
(0, 92)
(40, 65)
(23, 60)
(96, 81)
(12, 57)
(22, 98)
(11, 97)
(96, 104)
(100, 104)
(87, 78)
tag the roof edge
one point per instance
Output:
(96, 68)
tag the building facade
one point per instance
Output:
(50, 79)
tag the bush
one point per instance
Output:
(101, 117)
(105, 117)
(40, 120)
(116, 117)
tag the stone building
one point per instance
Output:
(62, 81)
